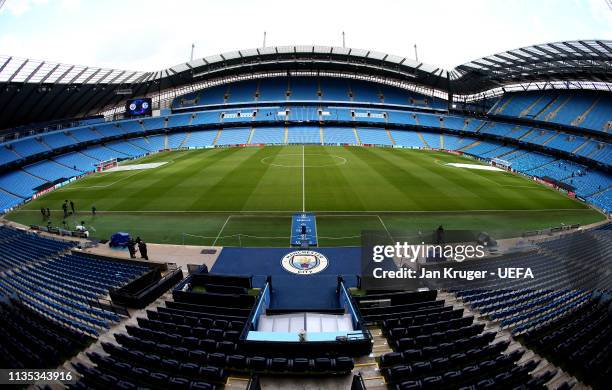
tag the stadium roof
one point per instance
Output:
(561, 61)
(38, 91)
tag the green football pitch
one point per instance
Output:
(245, 196)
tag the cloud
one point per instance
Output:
(152, 35)
(20, 7)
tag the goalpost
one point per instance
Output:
(106, 164)
(504, 164)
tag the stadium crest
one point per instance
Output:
(304, 262)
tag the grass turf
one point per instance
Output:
(245, 196)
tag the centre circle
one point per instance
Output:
(294, 160)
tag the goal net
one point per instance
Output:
(498, 162)
(106, 164)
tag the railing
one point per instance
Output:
(346, 300)
(263, 301)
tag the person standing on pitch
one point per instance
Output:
(72, 206)
(93, 210)
(142, 247)
(43, 212)
(65, 208)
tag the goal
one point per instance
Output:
(106, 164)
(498, 162)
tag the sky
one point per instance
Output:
(150, 35)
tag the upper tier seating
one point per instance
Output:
(29, 147)
(7, 155)
(280, 89)
(582, 109)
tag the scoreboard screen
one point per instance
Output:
(138, 107)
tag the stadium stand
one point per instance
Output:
(435, 345)
(270, 136)
(578, 109)
(304, 135)
(374, 136)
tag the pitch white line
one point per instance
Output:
(303, 182)
(100, 186)
(385, 226)
(221, 231)
(328, 212)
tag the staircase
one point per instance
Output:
(581, 118)
(551, 138)
(321, 135)
(310, 322)
(251, 133)
(182, 145)
(554, 112)
(390, 137)
(286, 136)
(530, 107)
(422, 139)
(466, 147)
(356, 136)
(217, 136)
(582, 145)
(503, 107)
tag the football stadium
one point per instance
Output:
(309, 216)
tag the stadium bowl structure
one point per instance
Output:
(242, 149)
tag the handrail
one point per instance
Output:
(260, 299)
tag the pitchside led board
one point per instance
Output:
(138, 107)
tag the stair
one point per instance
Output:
(593, 152)
(551, 138)
(422, 139)
(356, 136)
(543, 165)
(322, 135)
(310, 322)
(582, 145)
(286, 136)
(441, 141)
(69, 135)
(251, 133)
(552, 114)
(531, 106)
(525, 135)
(191, 118)
(505, 154)
(582, 117)
(10, 193)
(217, 136)
(166, 141)
(30, 174)
(503, 107)
(182, 145)
(390, 136)
(466, 147)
